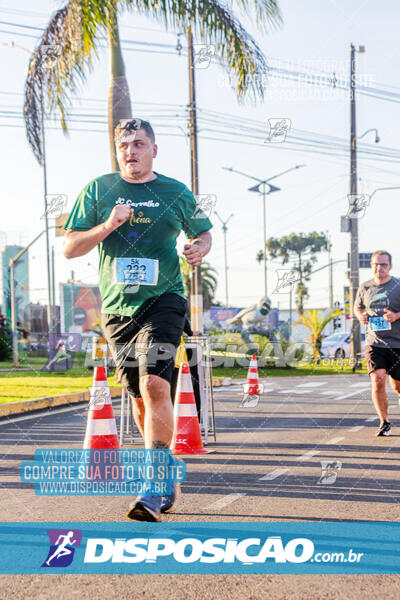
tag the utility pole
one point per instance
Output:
(330, 274)
(355, 336)
(43, 163)
(196, 296)
(225, 230)
(53, 288)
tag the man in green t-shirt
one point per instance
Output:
(134, 217)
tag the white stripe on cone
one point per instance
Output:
(186, 383)
(101, 427)
(100, 384)
(187, 410)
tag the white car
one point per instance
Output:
(337, 345)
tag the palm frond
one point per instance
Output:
(266, 12)
(315, 321)
(74, 30)
(214, 24)
(61, 60)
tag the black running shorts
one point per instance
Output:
(383, 358)
(146, 343)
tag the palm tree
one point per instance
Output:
(315, 320)
(208, 278)
(75, 31)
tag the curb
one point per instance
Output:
(25, 406)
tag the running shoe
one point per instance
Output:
(145, 508)
(168, 503)
(384, 429)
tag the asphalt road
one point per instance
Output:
(264, 466)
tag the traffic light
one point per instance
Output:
(337, 320)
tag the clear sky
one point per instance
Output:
(315, 36)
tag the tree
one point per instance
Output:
(5, 339)
(303, 249)
(208, 278)
(316, 320)
(75, 31)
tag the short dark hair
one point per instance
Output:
(134, 125)
(379, 252)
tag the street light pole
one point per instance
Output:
(13, 316)
(49, 293)
(225, 230)
(261, 189)
(265, 240)
(49, 287)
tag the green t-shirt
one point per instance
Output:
(162, 209)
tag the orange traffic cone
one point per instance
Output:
(187, 436)
(101, 430)
(252, 387)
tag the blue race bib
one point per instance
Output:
(136, 271)
(379, 324)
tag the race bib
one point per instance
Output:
(134, 271)
(379, 324)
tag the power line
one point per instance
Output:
(229, 127)
(319, 78)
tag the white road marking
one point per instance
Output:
(334, 440)
(54, 410)
(309, 454)
(273, 474)
(312, 384)
(361, 384)
(356, 428)
(226, 500)
(326, 393)
(348, 395)
(229, 388)
(371, 419)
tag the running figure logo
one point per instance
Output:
(329, 471)
(61, 550)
